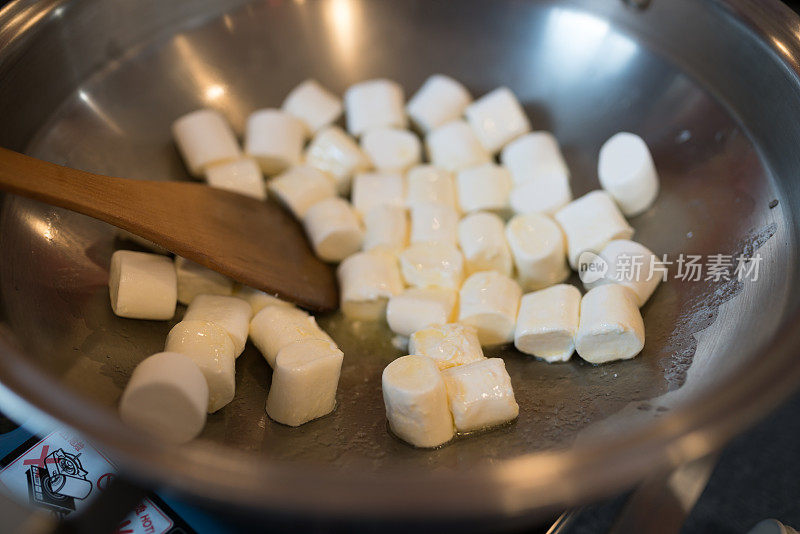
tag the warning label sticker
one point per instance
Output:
(62, 473)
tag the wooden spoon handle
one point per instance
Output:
(91, 194)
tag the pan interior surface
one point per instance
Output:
(583, 70)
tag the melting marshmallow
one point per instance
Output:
(367, 280)
(304, 382)
(611, 326)
(415, 397)
(547, 323)
(211, 349)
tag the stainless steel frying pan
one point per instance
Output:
(713, 86)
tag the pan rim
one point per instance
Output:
(510, 487)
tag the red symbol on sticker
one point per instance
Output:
(42, 460)
(121, 529)
(104, 481)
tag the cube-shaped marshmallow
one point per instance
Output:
(590, 222)
(432, 265)
(611, 326)
(167, 397)
(482, 239)
(537, 245)
(434, 223)
(448, 344)
(194, 279)
(480, 395)
(441, 99)
(386, 229)
(485, 187)
(415, 397)
(304, 382)
(454, 146)
(374, 104)
(367, 280)
(547, 323)
(211, 349)
(301, 187)
(241, 176)
(231, 313)
(334, 229)
(275, 327)
(204, 138)
(488, 301)
(375, 189)
(426, 184)
(391, 149)
(417, 308)
(497, 119)
(275, 139)
(314, 105)
(142, 285)
(336, 153)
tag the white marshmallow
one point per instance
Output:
(386, 229)
(391, 149)
(417, 308)
(415, 397)
(231, 313)
(142, 285)
(489, 302)
(240, 176)
(631, 265)
(534, 156)
(547, 323)
(432, 264)
(211, 349)
(275, 139)
(482, 239)
(454, 146)
(539, 251)
(366, 282)
(313, 104)
(485, 187)
(257, 299)
(304, 382)
(301, 187)
(333, 229)
(448, 345)
(627, 172)
(336, 153)
(375, 189)
(433, 223)
(480, 395)
(374, 104)
(441, 99)
(427, 184)
(547, 195)
(167, 397)
(142, 242)
(590, 222)
(194, 279)
(497, 119)
(275, 327)
(204, 138)
(611, 326)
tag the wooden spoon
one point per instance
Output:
(254, 242)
